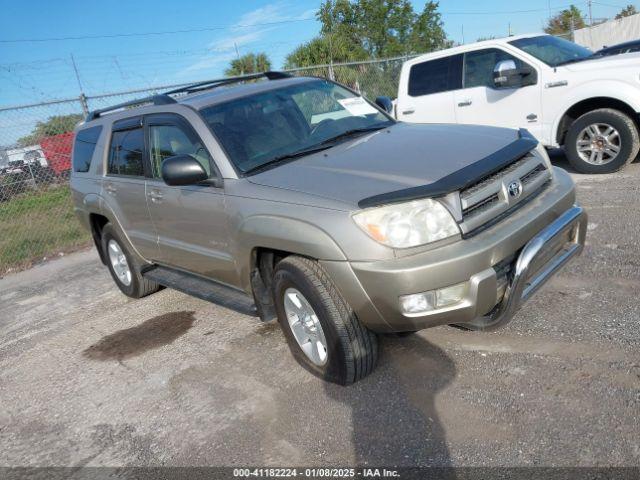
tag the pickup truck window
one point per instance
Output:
(125, 155)
(436, 76)
(83, 148)
(257, 129)
(551, 50)
(169, 140)
(479, 65)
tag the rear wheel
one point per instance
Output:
(123, 269)
(322, 331)
(602, 141)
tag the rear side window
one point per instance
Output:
(436, 76)
(83, 148)
(125, 154)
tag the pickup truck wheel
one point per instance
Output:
(602, 141)
(122, 267)
(322, 331)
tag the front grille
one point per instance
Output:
(494, 177)
(532, 175)
(486, 200)
(479, 207)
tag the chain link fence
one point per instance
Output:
(36, 213)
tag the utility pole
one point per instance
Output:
(331, 72)
(590, 15)
(235, 45)
(462, 28)
(82, 97)
(571, 28)
(509, 33)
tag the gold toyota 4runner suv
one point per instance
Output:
(296, 198)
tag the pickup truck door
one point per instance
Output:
(428, 94)
(191, 220)
(479, 102)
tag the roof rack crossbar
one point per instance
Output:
(217, 82)
(165, 98)
(161, 99)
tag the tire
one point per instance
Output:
(351, 349)
(627, 141)
(403, 334)
(137, 286)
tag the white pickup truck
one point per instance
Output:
(554, 88)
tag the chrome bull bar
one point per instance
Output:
(556, 244)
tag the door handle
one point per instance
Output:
(155, 196)
(465, 103)
(409, 111)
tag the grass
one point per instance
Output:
(38, 224)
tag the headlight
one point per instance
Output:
(542, 153)
(408, 224)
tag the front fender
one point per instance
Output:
(285, 234)
(615, 90)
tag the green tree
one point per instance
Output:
(427, 32)
(627, 12)
(565, 21)
(54, 125)
(361, 29)
(322, 50)
(247, 64)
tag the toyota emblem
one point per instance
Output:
(515, 189)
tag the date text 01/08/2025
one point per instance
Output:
(315, 473)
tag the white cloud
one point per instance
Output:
(273, 12)
(249, 29)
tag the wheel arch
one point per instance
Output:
(587, 105)
(281, 236)
(97, 222)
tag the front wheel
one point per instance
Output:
(602, 141)
(322, 331)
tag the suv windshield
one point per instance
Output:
(551, 50)
(267, 127)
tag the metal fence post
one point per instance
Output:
(83, 104)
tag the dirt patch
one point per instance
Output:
(134, 341)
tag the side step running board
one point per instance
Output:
(204, 289)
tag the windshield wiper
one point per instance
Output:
(352, 132)
(287, 156)
(324, 145)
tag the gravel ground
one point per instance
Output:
(89, 377)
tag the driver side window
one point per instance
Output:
(479, 65)
(171, 139)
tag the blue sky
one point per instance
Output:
(36, 71)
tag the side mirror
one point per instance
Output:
(385, 104)
(507, 75)
(183, 170)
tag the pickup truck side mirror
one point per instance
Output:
(183, 170)
(507, 75)
(385, 104)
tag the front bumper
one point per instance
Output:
(533, 243)
(538, 261)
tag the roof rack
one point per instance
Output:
(161, 99)
(194, 87)
(165, 98)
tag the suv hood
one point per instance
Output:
(607, 63)
(399, 157)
